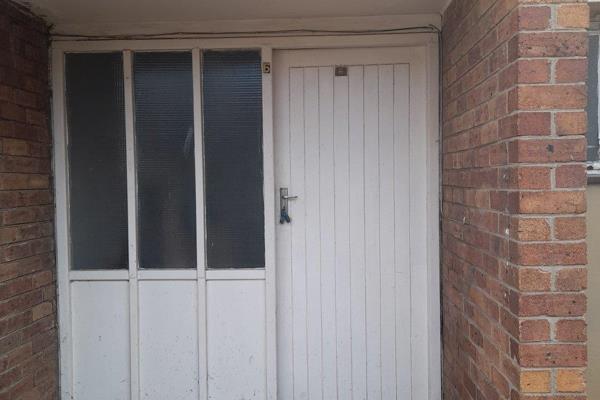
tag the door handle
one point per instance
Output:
(283, 205)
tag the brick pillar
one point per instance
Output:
(514, 251)
(28, 339)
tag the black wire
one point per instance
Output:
(180, 35)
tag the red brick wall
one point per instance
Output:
(514, 251)
(28, 341)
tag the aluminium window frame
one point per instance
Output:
(266, 44)
(593, 166)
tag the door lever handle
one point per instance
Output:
(283, 205)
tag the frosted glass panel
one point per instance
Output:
(96, 157)
(233, 159)
(164, 137)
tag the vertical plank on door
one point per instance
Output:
(313, 245)
(386, 230)
(357, 231)
(285, 368)
(342, 239)
(373, 273)
(327, 233)
(402, 237)
(298, 233)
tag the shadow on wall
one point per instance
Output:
(593, 236)
(593, 226)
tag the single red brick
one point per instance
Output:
(571, 123)
(42, 310)
(534, 18)
(573, 16)
(533, 71)
(534, 330)
(552, 355)
(551, 97)
(571, 279)
(548, 202)
(571, 176)
(570, 228)
(22, 215)
(552, 305)
(42, 278)
(550, 44)
(529, 229)
(571, 330)
(527, 177)
(571, 70)
(534, 382)
(535, 254)
(547, 150)
(534, 280)
(12, 181)
(534, 123)
(569, 380)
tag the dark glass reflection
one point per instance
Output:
(164, 137)
(97, 161)
(232, 101)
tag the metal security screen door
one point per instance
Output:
(176, 279)
(351, 262)
(162, 171)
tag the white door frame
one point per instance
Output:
(428, 45)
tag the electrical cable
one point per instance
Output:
(291, 32)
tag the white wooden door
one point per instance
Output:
(351, 270)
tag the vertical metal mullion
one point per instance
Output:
(63, 262)
(132, 226)
(200, 225)
(269, 193)
(597, 61)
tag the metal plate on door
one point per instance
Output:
(341, 70)
(266, 68)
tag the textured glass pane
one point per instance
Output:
(592, 106)
(164, 138)
(233, 159)
(97, 166)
